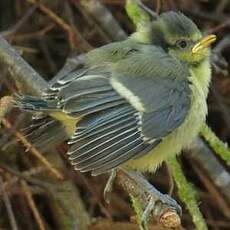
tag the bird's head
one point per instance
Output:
(180, 37)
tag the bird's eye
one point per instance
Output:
(182, 43)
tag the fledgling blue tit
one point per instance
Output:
(135, 102)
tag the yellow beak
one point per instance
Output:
(204, 43)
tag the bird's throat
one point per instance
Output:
(202, 75)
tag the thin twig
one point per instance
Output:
(19, 24)
(219, 199)
(32, 205)
(21, 176)
(201, 153)
(219, 27)
(14, 180)
(9, 209)
(34, 151)
(223, 44)
(59, 21)
(26, 36)
(158, 6)
(83, 44)
(104, 18)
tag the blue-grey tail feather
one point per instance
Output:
(44, 132)
(30, 103)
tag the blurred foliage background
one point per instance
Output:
(47, 33)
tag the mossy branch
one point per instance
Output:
(138, 209)
(216, 144)
(187, 194)
(138, 15)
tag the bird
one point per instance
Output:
(136, 102)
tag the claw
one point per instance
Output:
(156, 207)
(171, 202)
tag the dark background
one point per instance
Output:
(46, 42)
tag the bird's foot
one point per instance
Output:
(163, 206)
(109, 186)
(145, 216)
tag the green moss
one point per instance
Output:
(137, 208)
(135, 13)
(187, 194)
(216, 144)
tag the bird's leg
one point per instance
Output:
(161, 206)
(109, 186)
(146, 213)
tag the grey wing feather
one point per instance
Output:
(83, 93)
(111, 141)
(94, 122)
(163, 121)
(92, 103)
(164, 93)
(112, 129)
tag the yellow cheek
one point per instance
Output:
(188, 56)
(185, 56)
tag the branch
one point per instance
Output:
(166, 211)
(24, 76)
(187, 194)
(34, 151)
(104, 18)
(216, 144)
(8, 205)
(32, 205)
(201, 153)
(30, 82)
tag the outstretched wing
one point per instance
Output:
(126, 111)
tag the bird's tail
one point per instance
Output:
(30, 103)
(44, 131)
(46, 107)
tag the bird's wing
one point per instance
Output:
(126, 112)
(158, 86)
